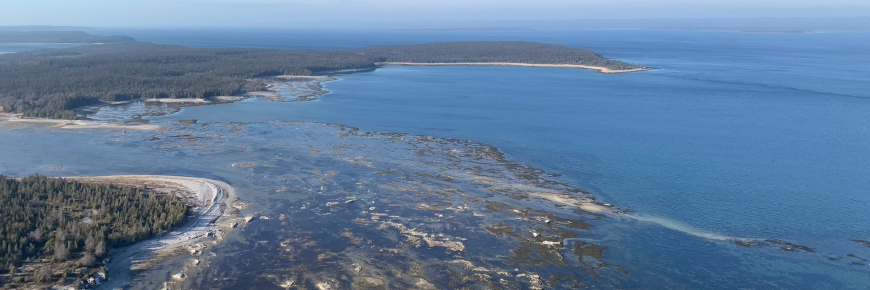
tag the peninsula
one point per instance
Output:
(53, 83)
(60, 230)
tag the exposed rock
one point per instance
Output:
(552, 243)
(791, 247)
(746, 243)
(422, 284)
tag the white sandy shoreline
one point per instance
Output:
(76, 124)
(298, 77)
(598, 68)
(182, 100)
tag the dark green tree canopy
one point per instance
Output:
(54, 218)
(52, 83)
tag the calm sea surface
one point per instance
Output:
(737, 135)
(745, 135)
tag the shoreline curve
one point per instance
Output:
(214, 217)
(600, 69)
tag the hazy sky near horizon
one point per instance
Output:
(396, 13)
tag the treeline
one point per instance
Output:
(63, 220)
(52, 83)
(58, 37)
(492, 51)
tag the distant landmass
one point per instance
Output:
(776, 31)
(732, 24)
(42, 28)
(53, 83)
(15, 36)
(466, 29)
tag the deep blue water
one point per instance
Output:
(738, 134)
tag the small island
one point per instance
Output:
(54, 83)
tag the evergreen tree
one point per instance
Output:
(35, 205)
(53, 83)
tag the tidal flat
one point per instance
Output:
(338, 208)
(335, 208)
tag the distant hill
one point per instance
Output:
(58, 37)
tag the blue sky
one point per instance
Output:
(397, 13)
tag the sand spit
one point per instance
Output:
(295, 77)
(271, 94)
(214, 218)
(588, 204)
(598, 68)
(184, 101)
(76, 124)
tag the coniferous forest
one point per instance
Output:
(53, 83)
(57, 220)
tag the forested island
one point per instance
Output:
(58, 37)
(55, 230)
(53, 83)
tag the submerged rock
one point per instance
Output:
(862, 242)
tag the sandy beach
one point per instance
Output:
(75, 124)
(214, 218)
(188, 100)
(598, 68)
(297, 77)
